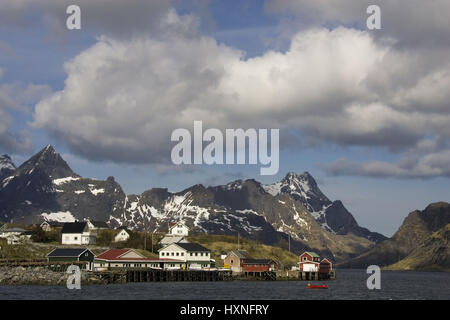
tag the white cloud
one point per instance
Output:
(123, 97)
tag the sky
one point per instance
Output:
(366, 112)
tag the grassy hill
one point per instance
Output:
(223, 244)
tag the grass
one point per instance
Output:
(219, 244)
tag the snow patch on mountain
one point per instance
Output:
(61, 181)
(60, 216)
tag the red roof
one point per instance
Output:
(171, 224)
(112, 254)
(115, 255)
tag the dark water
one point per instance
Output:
(350, 284)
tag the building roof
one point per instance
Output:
(241, 254)
(74, 227)
(171, 239)
(257, 261)
(67, 252)
(55, 223)
(116, 255)
(99, 224)
(312, 254)
(173, 224)
(193, 247)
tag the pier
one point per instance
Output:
(176, 275)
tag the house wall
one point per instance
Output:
(259, 267)
(78, 238)
(233, 262)
(309, 267)
(100, 265)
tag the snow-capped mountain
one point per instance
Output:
(294, 209)
(332, 216)
(46, 187)
(7, 167)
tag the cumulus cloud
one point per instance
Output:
(123, 97)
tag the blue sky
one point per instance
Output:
(34, 50)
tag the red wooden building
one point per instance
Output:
(325, 266)
(258, 265)
(311, 262)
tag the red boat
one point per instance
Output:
(322, 286)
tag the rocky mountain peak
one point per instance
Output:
(47, 161)
(7, 167)
(6, 163)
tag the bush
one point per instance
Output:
(40, 235)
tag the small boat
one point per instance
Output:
(322, 286)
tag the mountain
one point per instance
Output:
(332, 216)
(45, 186)
(292, 211)
(433, 254)
(7, 167)
(413, 233)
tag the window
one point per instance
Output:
(196, 254)
(75, 238)
(182, 253)
(191, 254)
(173, 253)
(178, 254)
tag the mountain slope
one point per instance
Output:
(416, 227)
(433, 254)
(332, 216)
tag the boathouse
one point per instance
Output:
(311, 262)
(72, 254)
(325, 266)
(258, 265)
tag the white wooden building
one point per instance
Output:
(77, 233)
(120, 259)
(15, 235)
(193, 255)
(178, 229)
(122, 235)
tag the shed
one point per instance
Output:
(72, 254)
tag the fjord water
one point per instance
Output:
(350, 284)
